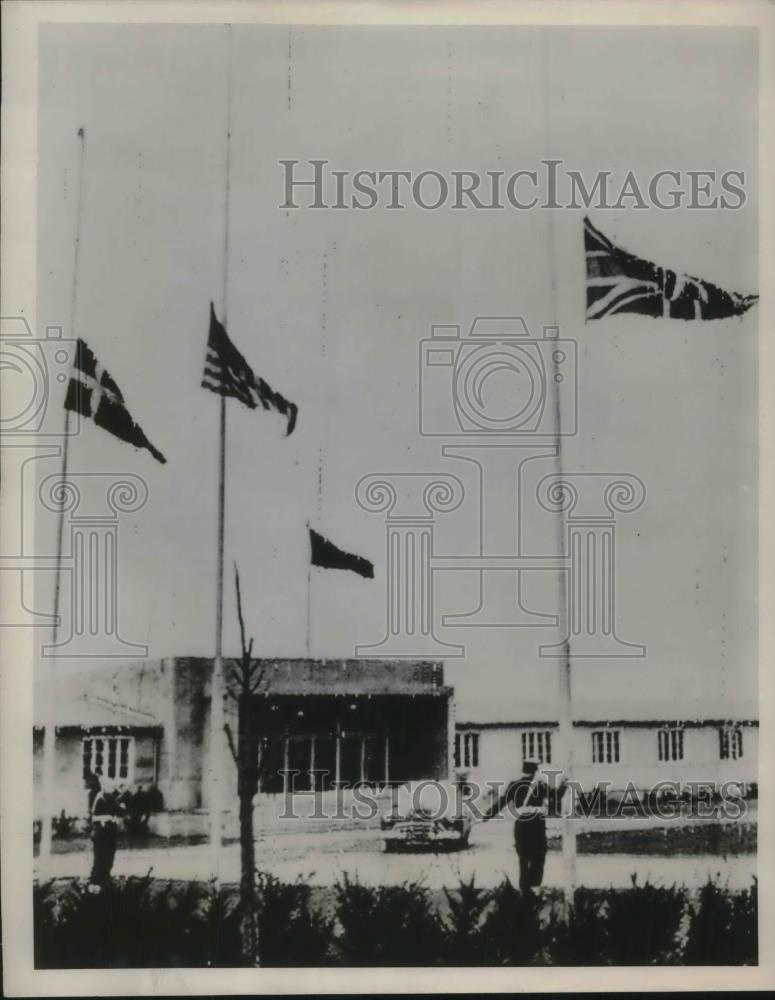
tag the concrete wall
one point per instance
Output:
(500, 756)
(186, 733)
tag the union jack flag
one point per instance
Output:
(93, 393)
(227, 373)
(620, 282)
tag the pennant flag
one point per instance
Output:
(227, 373)
(93, 393)
(327, 555)
(620, 282)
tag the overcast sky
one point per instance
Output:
(330, 307)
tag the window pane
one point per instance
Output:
(123, 764)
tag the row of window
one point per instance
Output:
(114, 756)
(606, 745)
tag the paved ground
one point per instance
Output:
(320, 858)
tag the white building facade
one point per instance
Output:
(614, 746)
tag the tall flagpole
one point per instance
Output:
(309, 593)
(319, 507)
(565, 695)
(564, 680)
(49, 670)
(49, 682)
(216, 687)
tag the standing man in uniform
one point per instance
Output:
(105, 812)
(527, 800)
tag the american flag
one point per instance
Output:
(93, 393)
(227, 373)
(620, 282)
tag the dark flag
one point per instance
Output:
(93, 393)
(327, 555)
(620, 282)
(227, 373)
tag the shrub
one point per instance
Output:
(134, 922)
(581, 939)
(465, 942)
(75, 929)
(723, 927)
(512, 928)
(291, 932)
(642, 924)
(745, 926)
(54, 909)
(140, 922)
(387, 925)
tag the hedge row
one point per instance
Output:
(141, 922)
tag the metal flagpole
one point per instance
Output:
(565, 690)
(49, 681)
(309, 564)
(49, 670)
(309, 593)
(565, 694)
(216, 687)
(564, 685)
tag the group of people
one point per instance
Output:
(527, 799)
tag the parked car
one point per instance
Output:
(425, 816)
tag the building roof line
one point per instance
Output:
(607, 723)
